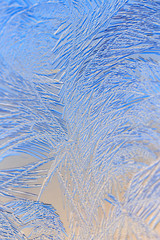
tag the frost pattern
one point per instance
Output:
(80, 88)
(140, 208)
(39, 219)
(27, 177)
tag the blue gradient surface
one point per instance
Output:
(80, 94)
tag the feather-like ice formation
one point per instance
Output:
(9, 225)
(38, 220)
(26, 219)
(80, 88)
(138, 216)
(12, 181)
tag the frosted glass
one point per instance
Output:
(80, 119)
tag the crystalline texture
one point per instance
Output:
(80, 93)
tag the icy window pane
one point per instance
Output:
(79, 119)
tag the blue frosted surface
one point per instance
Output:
(80, 119)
